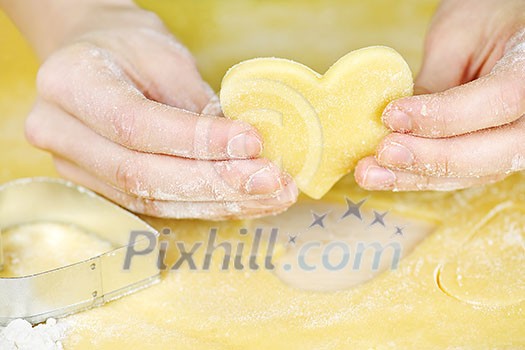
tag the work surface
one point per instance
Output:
(461, 283)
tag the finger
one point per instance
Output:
(447, 50)
(453, 56)
(370, 175)
(91, 87)
(443, 65)
(484, 153)
(174, 78)
(493, 100)
(151, 175)
(176, 210)
(213, 107)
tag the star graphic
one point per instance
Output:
(318, 219)
(353, 209)
(399, 231)
(379, 218)
(291, 239)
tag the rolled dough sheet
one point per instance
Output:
(476, 248)
(479, 301)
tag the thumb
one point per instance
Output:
(444, 63)
(492, 100)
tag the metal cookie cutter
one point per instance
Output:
(83, 285)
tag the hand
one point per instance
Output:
(125, 112)
(467, 128)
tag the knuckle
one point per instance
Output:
(144, 206)
(510, 99)
(443, 165)
(128, 177)
(124, 128)
(443, 126)
(49, 80)
(60, 70)
(33, 130)
(440, 122)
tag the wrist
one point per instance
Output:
(49, 25)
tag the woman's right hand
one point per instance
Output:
(125, 112)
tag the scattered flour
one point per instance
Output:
(20, 335)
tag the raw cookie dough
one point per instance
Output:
(349, 241)
(317, 127)
(68, 243)
(489, 268)
(402, 309)
(405, 308)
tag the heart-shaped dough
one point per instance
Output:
(317, 127)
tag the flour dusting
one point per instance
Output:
(20, 335)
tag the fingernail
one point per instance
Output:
(378, 177)
(264, 181)
(290, 191)
(397, 120)
(396, 154)
(213, 107)
(245, 145)
(287, 196)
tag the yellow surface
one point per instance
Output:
(255, 310)
(316, 127)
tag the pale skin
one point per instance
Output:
(124, 111)
(151, 136)
(465, 128)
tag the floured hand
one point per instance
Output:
(466, 128)
(124, 111)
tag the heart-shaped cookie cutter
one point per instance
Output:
(85, 284)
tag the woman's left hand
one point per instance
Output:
(466, 127)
